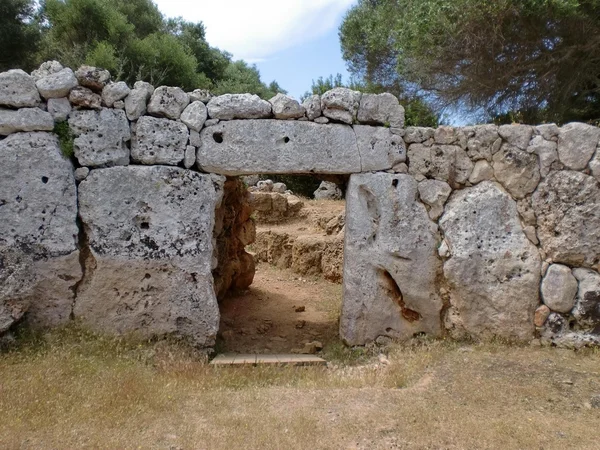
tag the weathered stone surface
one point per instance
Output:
(567, 206)
(81, 173)
(47, 68)
(494, 270)
(382, 109)
(482, 171)
(168, 102)
(516, 170)
(546, 152)
(200, 95)
(541, 315)
(137, 100)
(17, 89)
(38, 231)
(238, 106)
(418, 135)
(321, 120)
(195, 115)
(516, 135)
(312, 105)
(151, 252)
(24, 119)
(100, 137)
(341, 104)
(577, 143)
(59, 108)
(159, 141)
(390, 261)
(559, 288)
(114, 92)
(84, 98)
(434, 193)
(243, 147)
(448, 163)
(286, 107)
(119, 104)
(548, 131)
(328, 191)
(481, 141)
(595, 165)
(92, 77)
(379, 149)
(279, 187)
(587, 302)
(56, 85)
(190, 157)
(445, 135)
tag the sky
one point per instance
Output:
(290, 41)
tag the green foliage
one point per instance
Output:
(65, 138)
(19, 34)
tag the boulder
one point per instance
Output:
(168, 102)
(434, 194)
(84, 98)
(200, 95)
(482, 171)
(151, 252)
(390, 262)
(418, 135)
(100, 137)
(59, 108)
(587, 302)
(137, 100)
(328, 191)
(93, 78)
(17, 89)
(577, 142)
(243, 147)
(381, 109)
(448, 163)
(379, 149)
(516, 170)
(559, 288)
(24, 119)
(312, 105)
(493, 270)
(286, 107)
(548, 131)
(114, 92)
(567, 207)
(159, 141)
(482, 141)
(238, 106)
(341, 104)
(516, 135)
(279, 187)
(56, 85)
(47, 68)
(195, 115)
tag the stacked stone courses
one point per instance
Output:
(477, 231)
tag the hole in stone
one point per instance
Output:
(395, 183)
(286, 139)
(144, 225)
(218, 137)
(393, 292)
(147, 276)
(45, 180)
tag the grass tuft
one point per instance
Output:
(65, 138)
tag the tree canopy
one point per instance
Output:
(536, 60)
(19, 34)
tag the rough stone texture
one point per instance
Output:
(286, 107)
(150, 252)
(38, 230)
(516, 170)
(56, 85)
(200, 95)
(448, 163)
(541, 315)
(382, 109)
(516, 135)
(445, 135)
(279, 187)
(341, 104)
(494, 270)
(559, 288)
(312, 104)
(434, 193)
(47, 68)
(390, 265)
(17, 89)
(92, 77)
(481, 141)
(195, 115)
(84, 98)
(379, 149)
(100, 137)
(595, 165)
(273, 207)
(189, 158)
(546, 152)
(418, 135)
(567, 206)
(137, 100)
(168, 102)
(587, 302)
(24, 119)
(59, 108)
(81, 173)
(119, 104)
(577, 143)
(482, 171)
(245, 147)
(159, 141)
(321, 120)
(548, 131)
(238, 106)
(328, 191)
(114, 92)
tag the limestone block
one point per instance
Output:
(481, 140)
(567, 206)
(24, 119)
(168, 102)
(114, 92)
(445, 135)
(81, 173)
(137, 100)
(56, 85)
(195, 115)
(238, 106)
(159, 141)
(434, 193)
(418, 135)
(312, 104)
(189, 158)
(84, 98)
(47, 68)
(59, 108)
(559, 287)
(448, 163)
(200, 95)
(151, 251)
(245, 147)
(516, 170)
(494, 270)
(100, 137)
(587, 302)
(92, 78)
(379, 149)
(390, 261)
(341, 104)
(577, 143)
(546, 152)
(516, 135)
(482, 171)
(328, 191)
(17, 89)
(549, 131)
(286, 107)
(381, 109)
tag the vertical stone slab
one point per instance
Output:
(390, 263)
(150, 256)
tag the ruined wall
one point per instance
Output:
(475, 231)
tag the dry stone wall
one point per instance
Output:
(465, 232)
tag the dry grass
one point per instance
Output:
(71, 389)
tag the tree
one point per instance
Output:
(19, 34)
(533, 59)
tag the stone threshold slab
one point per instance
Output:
(234, 359)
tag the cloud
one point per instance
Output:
(254, 30)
